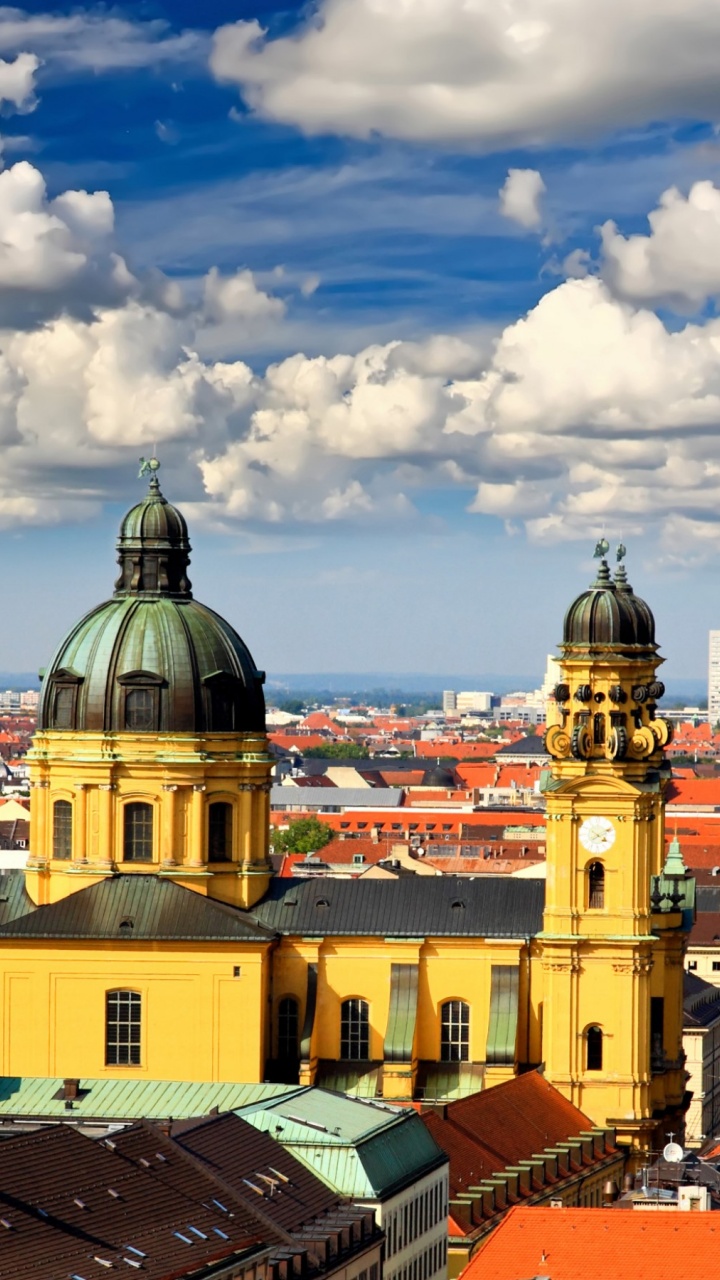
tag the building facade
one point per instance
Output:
(714, 676)
(148, 935)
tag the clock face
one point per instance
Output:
(597, 834)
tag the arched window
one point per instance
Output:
(455, 1031)
(355, 1031)
(288, 1027)
(593, 1049)
(220, 832)
(62, 829)
(123, 1013)
(138, 832)
(596, 886)
(140, 709)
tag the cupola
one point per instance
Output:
(609, 616)
(152, 659)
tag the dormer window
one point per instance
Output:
(222, 689)
(63, 699)
(141, 701)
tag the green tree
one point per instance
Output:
(338, 751)
(306, 835)
(293, 706)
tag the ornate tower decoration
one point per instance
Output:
(615, 916)
(151, 754)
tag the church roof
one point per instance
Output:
(136, 908)
(152, 659)
(412, 906)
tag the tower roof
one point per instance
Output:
(152, 659)
(609, 616)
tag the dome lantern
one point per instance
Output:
(153, 547)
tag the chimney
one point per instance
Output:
(71, 1089)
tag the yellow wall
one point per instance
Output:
(180, 775)
(199, 1022)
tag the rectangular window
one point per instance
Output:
(355, 1031)
(123, 1011)
(220, 836)
(716, 965)
(692, 965)
(374, 1271)
(62, 829)
(138, 833)
(455, 1031)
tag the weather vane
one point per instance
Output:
(148, 467)
(621, 552)
(601, 549)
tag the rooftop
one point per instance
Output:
(599, 1244)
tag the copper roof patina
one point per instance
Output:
(197, 673)
(609, 615)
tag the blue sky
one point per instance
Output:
(349, 277)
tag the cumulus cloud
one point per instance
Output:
(520, 197)
(17, 81)
(231, 297)
(523, 72)
(678, 263)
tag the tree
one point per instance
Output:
(306, 835)
(293, 706)
(337, 751)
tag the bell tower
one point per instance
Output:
(615, 912)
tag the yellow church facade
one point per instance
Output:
(149, 938)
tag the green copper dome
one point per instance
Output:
(152, 659)
(610, 615)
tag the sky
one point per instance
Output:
(413, 299)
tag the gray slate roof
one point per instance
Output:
(413, 906)
(140, 907)
(337, 797)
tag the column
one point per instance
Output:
(106, 847)
(245, 808)
(80, 823)
(167, 832)
(40, 843)
(197, 850)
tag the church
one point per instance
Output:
(149, 939)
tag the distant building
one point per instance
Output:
(449, 701)
(714, 677)
(473, 700)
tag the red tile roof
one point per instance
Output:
(487, 1131)
(599, 1244)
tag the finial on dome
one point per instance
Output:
(150, 467)
(621, 578)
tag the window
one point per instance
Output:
(455, 1031)
(138, 833)
(288, 1024)
(140, 709)
(594, 1049)
(716, 965)
(657, 1030)
(220, 832)
(358, 859)
(596, 886)
(355, 1031)
(64, 708)
(692, 965)
(62, 829)
(123, 1011)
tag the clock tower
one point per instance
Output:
(616, 911)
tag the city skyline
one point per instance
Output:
(404, 355)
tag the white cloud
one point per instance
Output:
(520, 197)
(526, 71)
(230, 297)
(17, 81)
(97, 40)
(678, 263)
